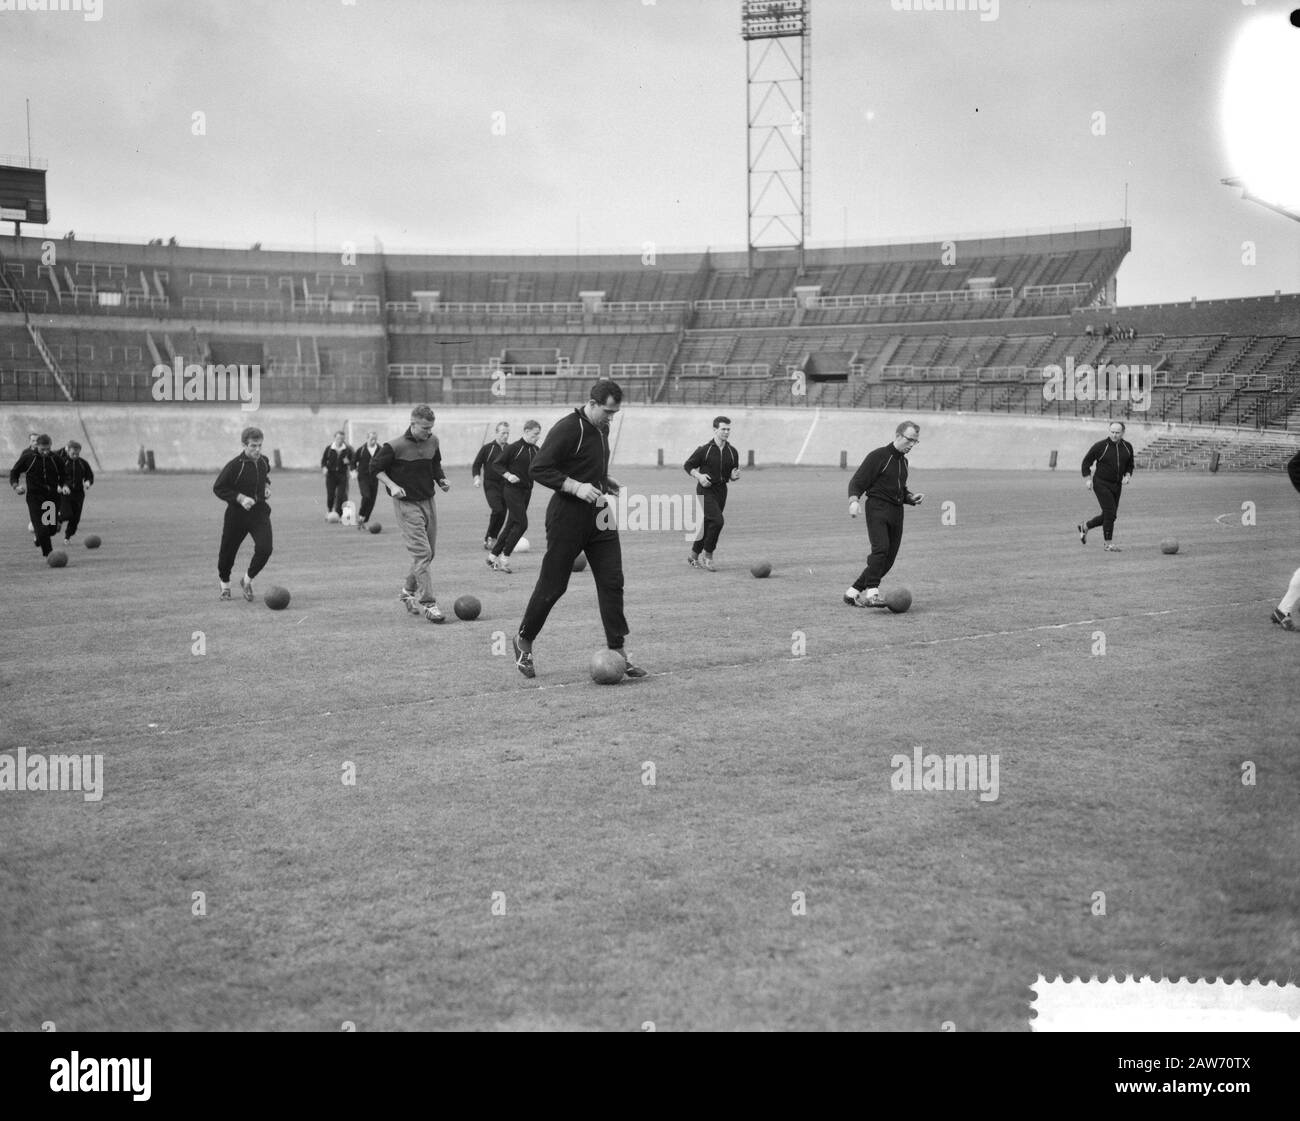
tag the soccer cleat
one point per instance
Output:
(503, 565)
(409, 601)
(851, 597)
(693, 559)
(246, 585)
(1083, 533)
(490, 561)
(871, 598)
(523, 659)
(361, 526)
(706, 562)
(1286, 622)
(225, 595)
(1113, 548)
(631, 670)
(433, 612)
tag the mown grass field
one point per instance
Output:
(673, 903)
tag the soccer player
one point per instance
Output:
(1114, 462)
(489, 454)
(365, 480)
(712, 466)
(514, 468)
(334, 464)
(882, 480)
(31, 446)
(244, 485)
(43, 487)
(1284, 613)
(574, 462)
(410, 467)
(77, 475)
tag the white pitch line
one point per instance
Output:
(817, 412)
(497, 693)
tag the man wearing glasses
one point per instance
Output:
(1114, 467)
(574, 462)
(882, 481)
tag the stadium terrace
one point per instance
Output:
(92, 10)
(988, 9)
(1123, 382)
(180, 382)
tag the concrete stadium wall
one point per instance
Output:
(202, 438)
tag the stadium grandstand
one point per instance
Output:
(881, 326)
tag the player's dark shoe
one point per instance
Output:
(1083, 533)
(1286, 622)
(490, 561)
(246, 586)
(867, 599)
(852, 597)
(225, 596)
(693, 559)
(433, 612)
(523, 659)
(706, 563)
(633, 671)
(411, 604)
(503, 565)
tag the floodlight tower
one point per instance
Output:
(778, 88)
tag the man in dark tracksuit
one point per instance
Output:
(43, 488)
(365, 480)
(410, 467)
(882, 478)
(514, 468)
(574, 462)
(712, 466)
(335, 462)
(1284, 614)
(77, 475)
(1114, 461)
(489, 455)
(244, 485)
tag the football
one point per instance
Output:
(332, 517)
(467, 608)
(57, 559)
(277, 599)
(607, 667)
(761, 570)
(580, 563)
(374, 527)
(898, 600)
(93, 541)
(1169, 545)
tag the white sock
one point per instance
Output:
(852, 592)
(1292, 596)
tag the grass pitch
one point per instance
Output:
(502, 861)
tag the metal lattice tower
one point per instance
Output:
(778, 81)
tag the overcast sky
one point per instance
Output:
(624, 122)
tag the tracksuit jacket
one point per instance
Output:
(414, 465)
(883, 474)
(244, 476)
